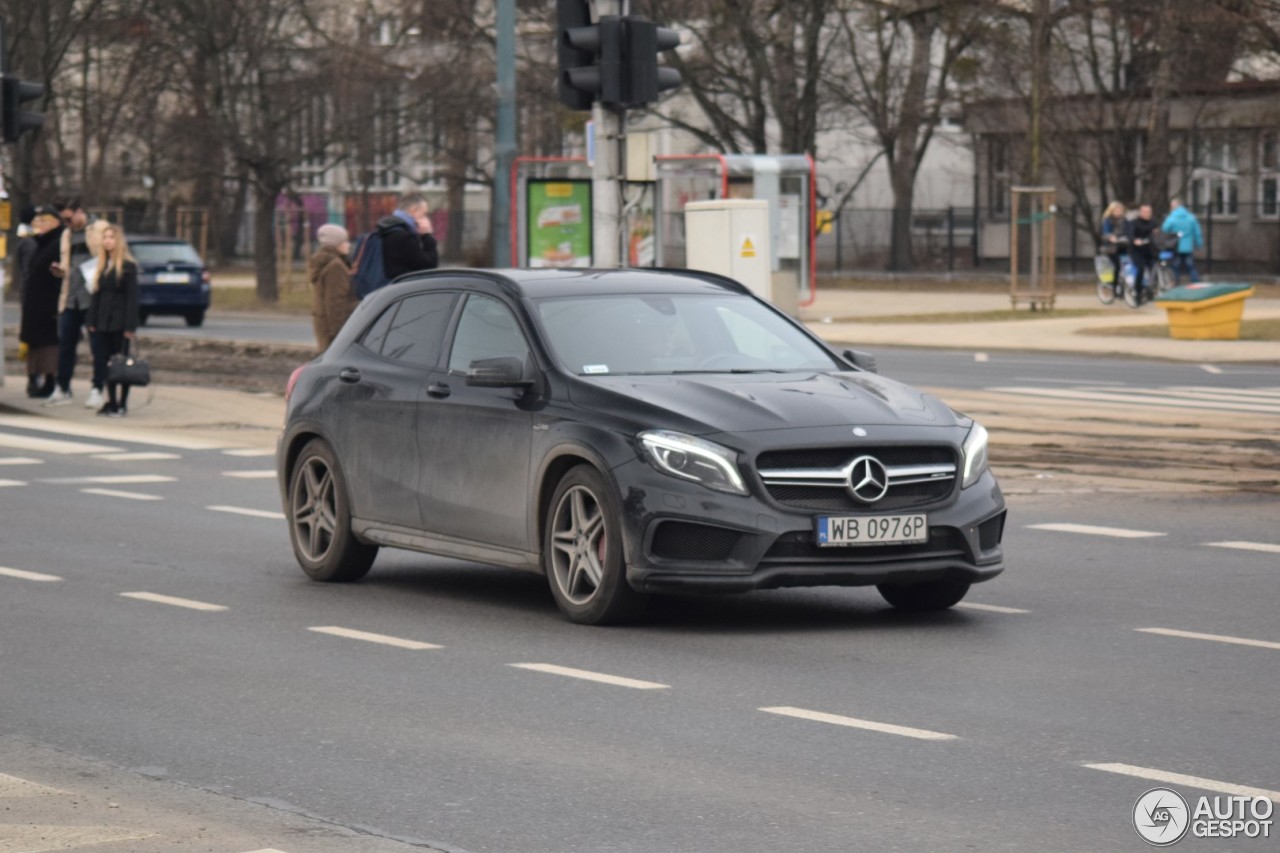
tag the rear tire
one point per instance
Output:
(582, 552)
(924, 597)
(319, 516)
(1106, 292)
(143, 316)
(1132, 297)
(195, 319)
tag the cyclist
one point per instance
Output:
(1114, 238)
(1183, 222)
(1141, 252)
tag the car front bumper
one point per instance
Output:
(682, 536)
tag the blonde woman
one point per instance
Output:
(113, 312)
(1114, 241)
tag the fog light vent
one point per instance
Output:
(681, 540)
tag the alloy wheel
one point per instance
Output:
(315, 509)
(578, 543)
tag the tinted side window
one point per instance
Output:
(487, 329)
(418, 331)
(377, 333)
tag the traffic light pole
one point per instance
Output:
(606, 194)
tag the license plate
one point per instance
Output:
(872, 529)
(173, 278)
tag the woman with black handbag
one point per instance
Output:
(113, 313)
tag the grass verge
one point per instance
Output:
(957, 317)
(296, 300)
(1250, 330)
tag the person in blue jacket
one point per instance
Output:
(1183, 222)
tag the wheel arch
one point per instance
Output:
(559, 462)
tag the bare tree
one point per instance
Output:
(896, 72)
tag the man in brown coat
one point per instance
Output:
(332, 299)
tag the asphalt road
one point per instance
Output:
(807, 720)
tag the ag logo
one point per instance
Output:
(1161, 817)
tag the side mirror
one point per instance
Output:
(501, 372)
(861, 360)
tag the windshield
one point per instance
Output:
(678, 333)
(162, 254)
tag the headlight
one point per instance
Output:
(975, 455)
(691, 458)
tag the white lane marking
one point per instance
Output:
(352, 634)
(267, 850)
(115, 493)
(144, 456)
(587, 675)
(1182, 779)
(28, 576)
(1262, 394)
(855, 723)
(51, 445)
(176, 602)
(12, 787)
(20, 460)
(112, 480)
(6, 483)
(253, 513)
(990, 608)
(107, 433)
(1089, 382)
(1209, 368)
(250, 451)
(251, 475)
(1129, 397)
(1093, 530)
(1265, 547)
(981, 357)
(1215, 638)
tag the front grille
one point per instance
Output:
(838, 500)
(834, 457)
(682, 540)
(802, 548)
(835, 497)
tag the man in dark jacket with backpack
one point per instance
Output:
(408, 244)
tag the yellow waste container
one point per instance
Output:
(1203, 312)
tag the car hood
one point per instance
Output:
(711, 403)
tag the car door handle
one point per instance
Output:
(439, 390)
(349, 374)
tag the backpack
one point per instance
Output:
(368, 274)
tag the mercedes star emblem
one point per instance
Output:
(868, 479)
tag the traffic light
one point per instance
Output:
(613, 61)
(645, 79)
(18, 121)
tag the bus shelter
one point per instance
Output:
(787, 182)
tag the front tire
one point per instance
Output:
(924, 597)
(582, 552)
(319, 516)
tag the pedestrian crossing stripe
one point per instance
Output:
(1265, 401)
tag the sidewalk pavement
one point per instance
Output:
(849, 317)
(843, 317)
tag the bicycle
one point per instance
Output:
(1105, 267)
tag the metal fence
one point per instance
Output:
(1242, 239)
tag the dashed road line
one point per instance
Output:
(7, 484)
(252, 513)
(20, 460)
(587, 675)
(155, 598)
(28, 576)
(115, 493)
(51, 445)
(1177, 398)
(141, 456)
(990, 608)
(1215, 638)
(1200, 782)
(855, 723)
(251, 475)
(108, 433)
(1094, 530)
(367, 637)
(1211, 368)
(250, 451)
(111, 480)
(1265, 547)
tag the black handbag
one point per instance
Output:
(125, 369)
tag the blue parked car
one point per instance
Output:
(172, 279)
